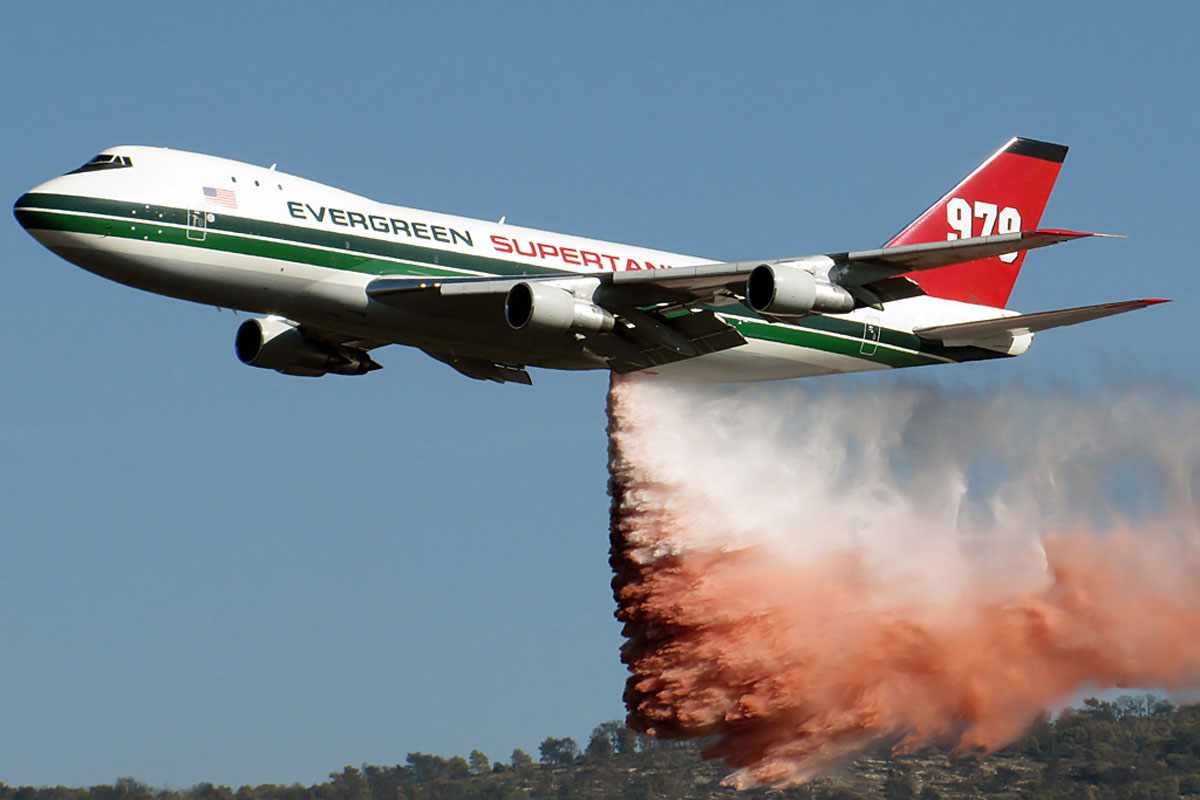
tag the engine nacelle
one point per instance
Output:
(273, 343)
(789, 291)
(550, 309)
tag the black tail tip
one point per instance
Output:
(1046, 151)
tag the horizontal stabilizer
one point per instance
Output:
(865, 266)
(1001, 327)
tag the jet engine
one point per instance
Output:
(785, 290)
(278, 344)
(550, 309)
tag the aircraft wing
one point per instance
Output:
(659, 313)
(704, 282)
(335, 339)
(1000, 327)
(394, 288)
(656, 334)
(848, 269)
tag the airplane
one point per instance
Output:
(336, 275)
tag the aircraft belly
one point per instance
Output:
(760, 360)
(327, 298)
(248, 283)
(306, 293)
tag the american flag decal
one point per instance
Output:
(222, 197)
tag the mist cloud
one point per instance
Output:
(803, 572)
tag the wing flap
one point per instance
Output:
(1000, 327)
(398, 288)
(642, 345)
(483, 370)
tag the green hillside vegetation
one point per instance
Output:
(1134, 747)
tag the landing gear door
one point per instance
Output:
(197, 225)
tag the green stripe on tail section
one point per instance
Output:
(804, 336)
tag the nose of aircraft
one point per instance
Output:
(24, 205)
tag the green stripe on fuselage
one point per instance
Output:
(440, 262)
(294, 243)
(803, 336)
(224, 242)
(853, 329)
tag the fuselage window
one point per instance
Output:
(104, 161)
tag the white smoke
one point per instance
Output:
(916, 474)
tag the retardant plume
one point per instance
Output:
(802, 573)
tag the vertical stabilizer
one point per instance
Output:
(1005, 194)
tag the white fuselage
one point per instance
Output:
(241, 236)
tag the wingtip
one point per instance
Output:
(1078, 234)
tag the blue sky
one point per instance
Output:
(217, 573)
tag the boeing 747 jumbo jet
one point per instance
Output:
(336, 275)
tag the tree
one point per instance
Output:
(1003, 778)
(425, 767)
(502, 791)
(386, 783)
(600, 746)
(645, 742)
(899, 784)
(622, 739)
(478, 763)
(131, 789)
(521, 761)
(626, 741)
(559, 752)
(838, 793)
(1100, 709)
(457, 768)
(206, 791)
(349, 784)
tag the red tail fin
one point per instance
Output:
(1004, 194)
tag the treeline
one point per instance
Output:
(1135, 748)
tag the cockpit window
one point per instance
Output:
(104, 161)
